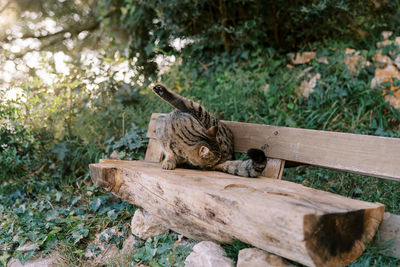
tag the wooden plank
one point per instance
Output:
(313, 227)
(362, 154)
(274, 169)
(389, 235)
(154, 151)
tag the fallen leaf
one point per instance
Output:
(307, 87)
(383, 43)
(356, 62)
(301, 58)
(387, 74)
(386, 34)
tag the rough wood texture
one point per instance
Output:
(309, 226)
(342, 151)
(389, 235)
(154, 151)
(274, 169)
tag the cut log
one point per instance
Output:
(309, 226)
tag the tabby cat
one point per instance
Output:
(190, 135)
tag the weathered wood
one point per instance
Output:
(389, 235)
(309, 226)
(363, 154)
(154, 151)
(274, 169)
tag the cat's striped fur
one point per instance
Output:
(191, 135)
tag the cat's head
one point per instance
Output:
(208, 152)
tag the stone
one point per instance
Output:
(255, 257)
(101, 249)
(28, 247)
(301, 58)
(115, 155)
(128, 244)
(51, 260)
(387, 74)
(208, 254)
(144, 225)
(307, 87)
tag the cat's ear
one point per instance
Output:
(204, 151)
(212, 132)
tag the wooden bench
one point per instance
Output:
(309, 226)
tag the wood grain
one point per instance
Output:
(274, 169)
(154, 151)
(313, 227)
(362, 154)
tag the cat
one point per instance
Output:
(190, 135)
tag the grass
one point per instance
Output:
(58, 208)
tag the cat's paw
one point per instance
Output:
(168, 165)
(160, 90)
(257, 155)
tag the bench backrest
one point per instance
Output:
(362, 154)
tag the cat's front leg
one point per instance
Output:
(169, 163)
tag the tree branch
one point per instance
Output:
(5, 7)
(58, 37)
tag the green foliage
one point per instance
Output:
(261, 89)
(232, 250)
(20, 153)
(46, 145)
(132, 145)
(162, 251)
(217, 27)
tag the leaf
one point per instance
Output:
(75, 200)
(95, 204)
(58, 196)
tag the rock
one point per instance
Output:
(128, 244)
(208, 254)
(115, 155)
(301, 58)
(103, 247)
(144, 225)
(386, 34)
(255, 257)
(355, 62)
(27, 247)
(51, 260)
(387, 74)
(307, 87)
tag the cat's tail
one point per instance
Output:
(246, 168)
(186, 105)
